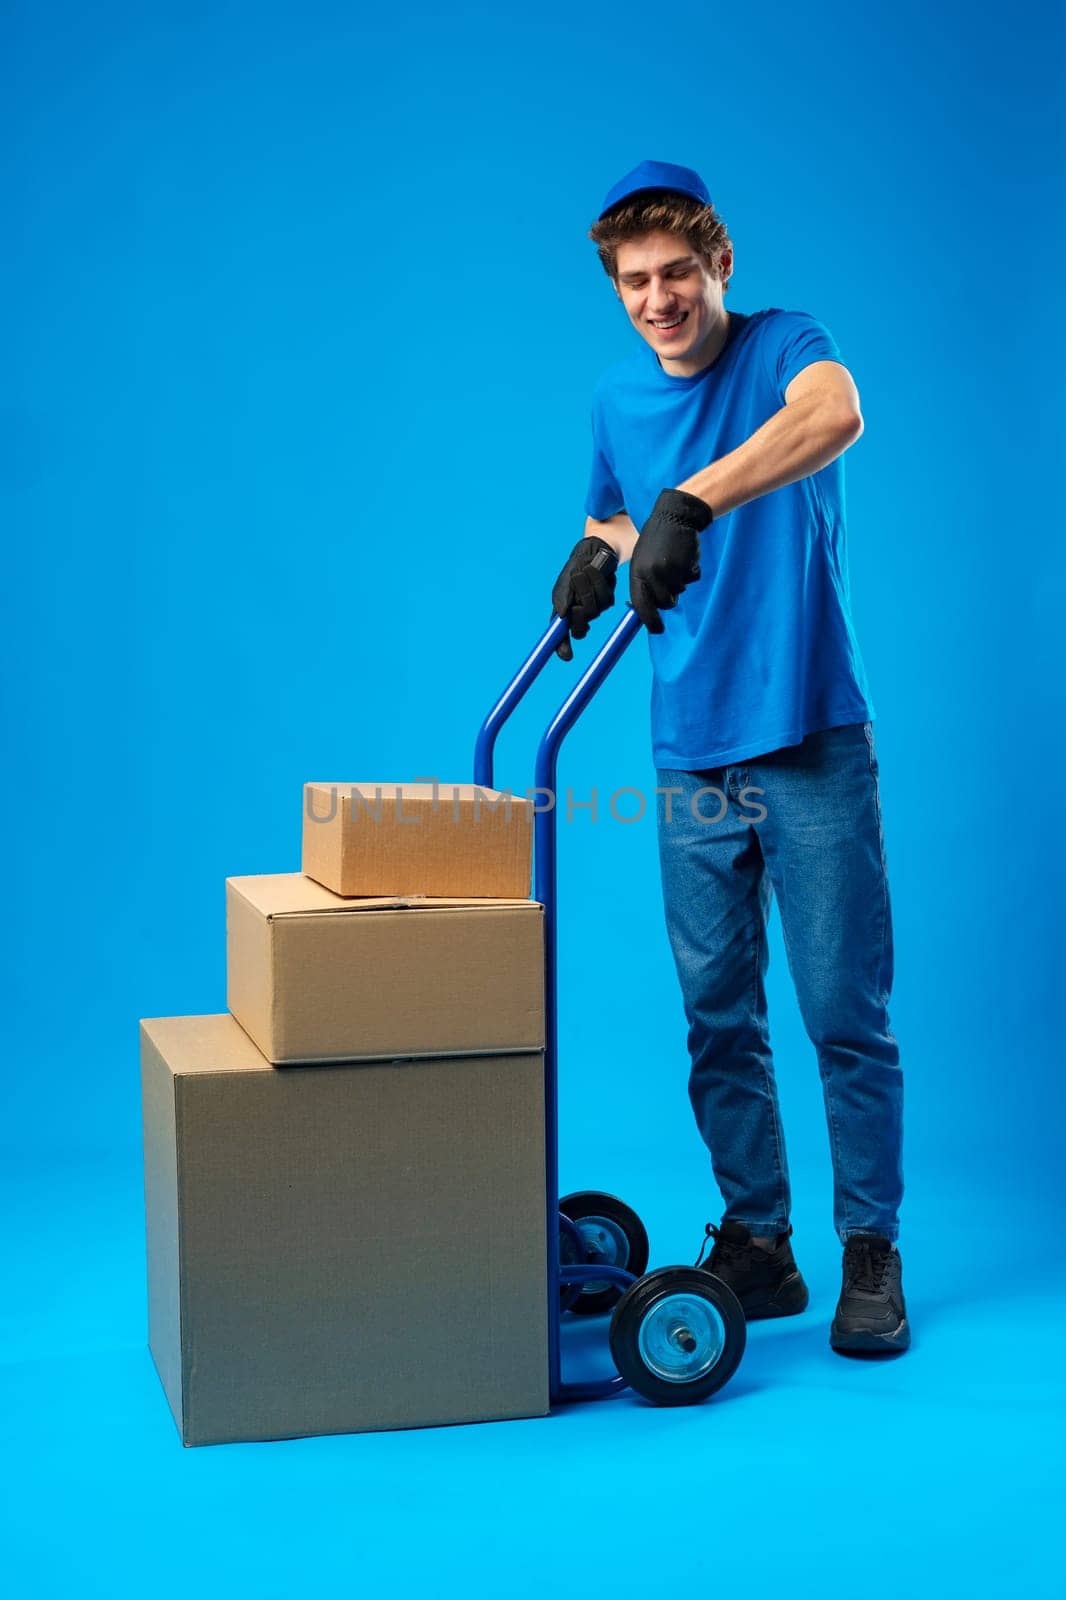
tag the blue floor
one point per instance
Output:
(938, 1473)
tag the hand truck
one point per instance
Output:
(676, 1334)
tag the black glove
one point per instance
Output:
(584, 588)
(666, 557)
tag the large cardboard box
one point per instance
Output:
(315, 977)
(417, 838)
(342, 1248)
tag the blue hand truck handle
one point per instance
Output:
(544, 859)
(527, 674)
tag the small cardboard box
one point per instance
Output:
(315, 977)
(417, 838)
(344, 1248)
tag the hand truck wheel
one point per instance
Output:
(610, 1231)
(677, 1335)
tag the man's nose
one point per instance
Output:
(659, 295)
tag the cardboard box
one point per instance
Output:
(316, 977)
(345, 1248)
(417, 838)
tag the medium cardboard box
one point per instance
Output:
(417, 838)
(315, 977)
(342, 1248)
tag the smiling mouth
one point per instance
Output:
(668, 327)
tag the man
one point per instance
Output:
(731, 426)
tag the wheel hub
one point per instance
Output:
(603, 1240)
(681, 1338)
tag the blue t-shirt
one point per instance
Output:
(760, 650)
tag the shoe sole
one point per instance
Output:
(864, 1340)
(788, 1300)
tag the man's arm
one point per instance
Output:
(617, 531)
(817, 423)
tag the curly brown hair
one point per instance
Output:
(700, 226)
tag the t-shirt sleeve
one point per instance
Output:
(604, 497)
(795, 339)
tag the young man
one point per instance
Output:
(731, 426)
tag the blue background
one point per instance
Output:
(302, 324)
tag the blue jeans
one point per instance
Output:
(803, 823)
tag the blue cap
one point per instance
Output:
(657, 175)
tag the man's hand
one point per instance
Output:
(666, 557)
(584, 588)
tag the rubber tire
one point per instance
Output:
(640, 1298)
(595, 1203)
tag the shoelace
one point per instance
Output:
(866, 1265)
(729, 1248)
(710, 1232)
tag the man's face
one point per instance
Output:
(661, 279)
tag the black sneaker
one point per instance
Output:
(871, 1313)
(765, 1279)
